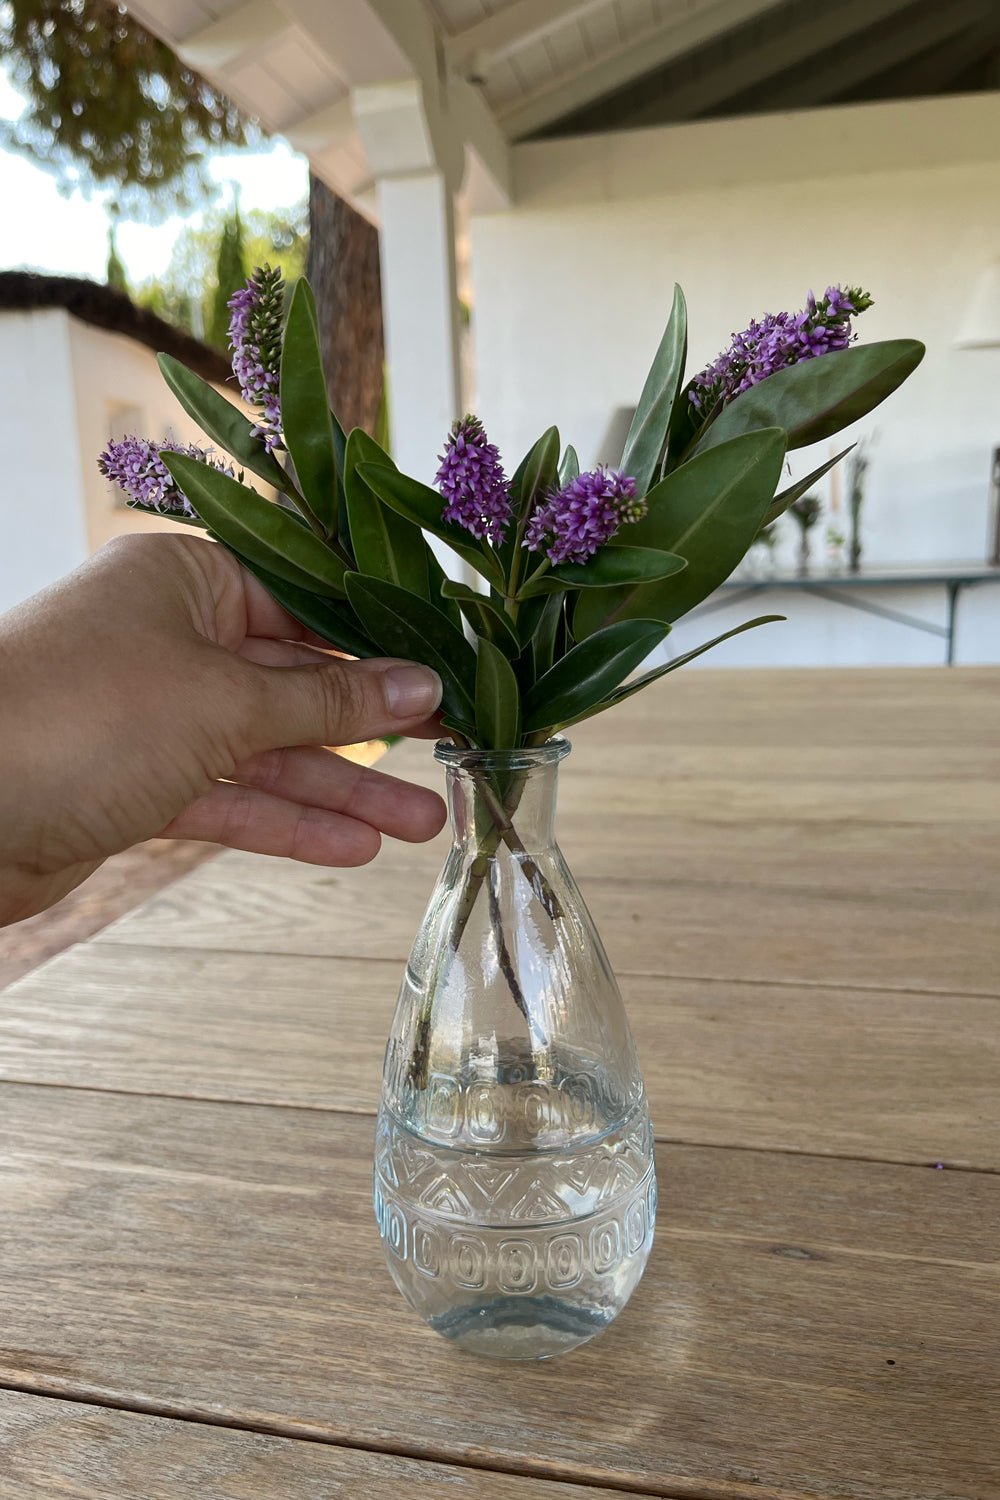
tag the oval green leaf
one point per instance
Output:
(485, 617)
(638, 683)
(333, 619)
(648, 434)
(708, 511)
(498, 700)
(407, 626)
(589, 672)
(384, 543)
(614, 565)
(422, 505)
(256, 528)
(818, 397)
(223, 422)
(305, 410)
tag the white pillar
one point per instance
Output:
(421, 314)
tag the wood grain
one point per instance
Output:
(898, 1076)
(807, 1327)
(50, 1447)
(121, 883)
(836, 828)
(902, 937)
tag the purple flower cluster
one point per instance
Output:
(473, 483)
(779, 340)
(136, 467)
(571, 524)
(255, 339)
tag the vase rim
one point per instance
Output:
(459, 758)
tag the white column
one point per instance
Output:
(420, 309)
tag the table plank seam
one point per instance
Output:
(919, 1164)
(540, 1470)
(914, 988)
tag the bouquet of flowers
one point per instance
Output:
(580, 575)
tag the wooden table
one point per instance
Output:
(797, 875)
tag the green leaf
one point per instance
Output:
(569, 468)
(535, 475)
(257, 529)
(816, 398)
(614, 565)
(498, 701)
(223, 422)
(384, 543)
(648, 433)
(538, 470)
(305, 410)
(589, 672)
(334, 620)
(405, 625)
(529, 617)
(436, 580)
(543, 641)
(485, 617)
(708, 511)
(788, 497)
(460, 726)
(422, 505)
(152, 510)
(628, 688)
(340, 454)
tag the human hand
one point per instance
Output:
(160, 690)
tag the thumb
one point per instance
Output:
(339, 702)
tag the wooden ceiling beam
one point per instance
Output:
(253, 25)
(507, 30)
(815, 31)
(848, 71)
(653, 50)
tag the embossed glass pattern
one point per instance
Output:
(514, 1184)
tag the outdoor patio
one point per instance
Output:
(797, 877)
(792, 857)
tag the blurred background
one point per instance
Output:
(493, 199)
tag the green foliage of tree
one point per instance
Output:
(110, 105)
(186, 292)
(230, 273)
(115, 274)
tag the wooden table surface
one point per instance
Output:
(797, 875)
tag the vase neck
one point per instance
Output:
(490, 792)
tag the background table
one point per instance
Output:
(797, 876)
(855, 590)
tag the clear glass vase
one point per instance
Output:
(514, 1184)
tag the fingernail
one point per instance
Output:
(412, 691)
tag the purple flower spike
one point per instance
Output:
(777, 341)
(255, 339)
(575, 521)
(473, 483)
(136, 467)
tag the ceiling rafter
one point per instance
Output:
(606, 74)
(253, 25)
(814, 32)
(514, 27)
(826, 82)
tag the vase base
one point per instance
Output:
(521, 1328)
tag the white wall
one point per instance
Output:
(68, 387)
(42, 524)
(572, 287)
(116, 379)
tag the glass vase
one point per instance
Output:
(514, 1181)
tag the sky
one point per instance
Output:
(45, 231)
